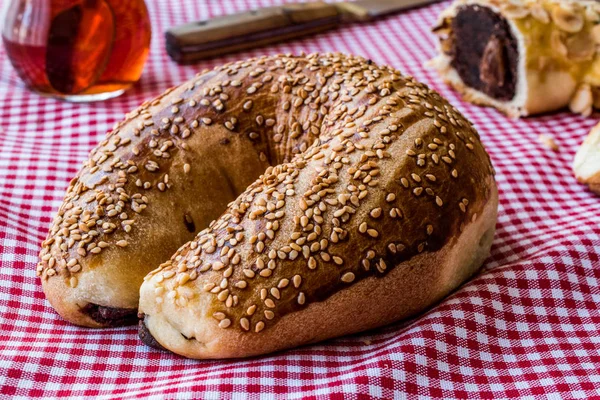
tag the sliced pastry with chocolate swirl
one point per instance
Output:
(522, 57)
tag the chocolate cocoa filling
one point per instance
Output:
(484, 52)
(145, 335)
(110, 316)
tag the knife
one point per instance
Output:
(249, 29)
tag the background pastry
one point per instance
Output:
(586, 165)
(525, 57)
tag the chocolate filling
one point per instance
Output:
(484, 52)
(145, 335)
(110, 316)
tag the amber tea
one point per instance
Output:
(79, 50)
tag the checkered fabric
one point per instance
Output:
(528, 325)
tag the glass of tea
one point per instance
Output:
(77, 50)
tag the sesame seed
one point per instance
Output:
(75, 268)
(183, 278)
(219, 316)
(429, 229)
(301, 298)
(375, 213)
(259, 326)
(208, 287)
(283, 283)
(122, 243)
(362, 228)
(265, 273)
(225, 323)
(339, 212)
(241, 284)
(168, 274)
(348, 277)
(222, 296)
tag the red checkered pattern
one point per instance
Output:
(528, 325)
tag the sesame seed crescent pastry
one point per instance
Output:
(345, 196)
(523, 57)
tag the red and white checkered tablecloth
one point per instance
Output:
(528, 325)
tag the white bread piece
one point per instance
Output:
(586, 165)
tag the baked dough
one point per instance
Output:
(380, 202)
(586, 165)
(522, 57)
(346, 196)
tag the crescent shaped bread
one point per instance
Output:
(380, 200)
(523, 57)
(374, 199)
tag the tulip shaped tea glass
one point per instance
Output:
(77, 50)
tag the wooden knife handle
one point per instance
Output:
(249, 29)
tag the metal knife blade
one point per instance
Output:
(367, 10)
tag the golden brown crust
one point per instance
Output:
(557, 45)
(408, 289)
(133, 204)
(372, 170)
(395, 173)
